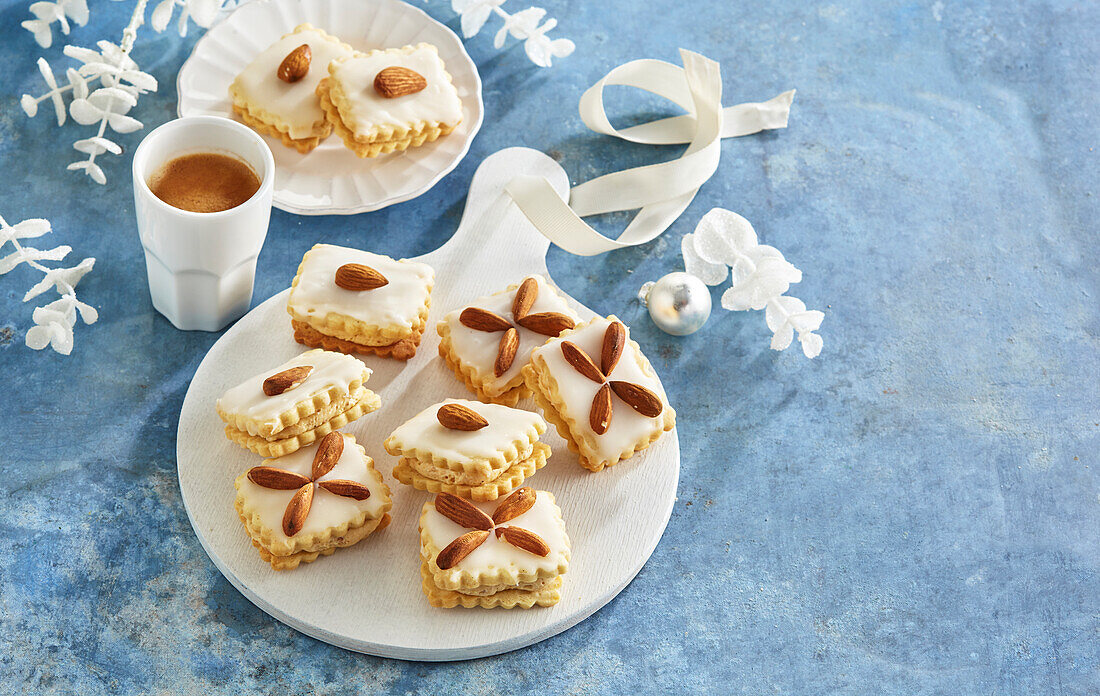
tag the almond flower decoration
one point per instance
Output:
(465, 514)
(636, 396)
(328, 453)
(545, 323)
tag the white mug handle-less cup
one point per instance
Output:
(201, 265)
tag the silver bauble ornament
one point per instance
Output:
(679, 303)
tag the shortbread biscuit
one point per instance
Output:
(309, 336)
(359, 301)
(283, 446)
(470, 339)
(634, 406)
(289, 111)
(547, 594)
(408, 473)
(308, 504)
(484, 549)
(371, 123)
(468, 448)
(306, 397)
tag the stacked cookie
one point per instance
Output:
(390, 100)
(511, 554)
(310, 503)
(489, 341)
(595, 385)
(283, 409)
(470, 449)
(276, 93)
(357, 302)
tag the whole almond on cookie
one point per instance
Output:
(459, 417)
(295, 516)
(614, 338)
(460, 548)
(346, 488)
(296, 64)
(396, 81)
(462, 512)
(506, 352)
(526, 294)
(286, 380)
(519, 502)
(480, 319)
(523, 539)
(638, 398)
(276, 479)
(357, 277)
(546, 323)
(599, 418)
(328, 453)
(581, 362)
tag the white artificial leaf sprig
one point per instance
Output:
(104, 87)
(723, 245)
(54, 321)
(525, 25)
(46, 13)
(202, 12)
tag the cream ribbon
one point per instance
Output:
(661, 191)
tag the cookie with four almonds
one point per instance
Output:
(390, 100)
(469, 449)
(285, 408)
(312, 502)
(276, 94)
(356, 301)
(487, 342)
(595, 385)
(507, 554)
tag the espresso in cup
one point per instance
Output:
(204, 182)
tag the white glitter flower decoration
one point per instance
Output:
(724, 245)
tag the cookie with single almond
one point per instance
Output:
(468, 449)
(356, 301)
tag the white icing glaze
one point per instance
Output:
(478, 349)
(329, 370)
(628, 427)
(542, 519)
(328, 509)
(423, 432)
(436, 103)
(295, 102)
(396, 304)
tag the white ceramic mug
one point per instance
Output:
(201, 266)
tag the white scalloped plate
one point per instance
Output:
(367, 597)
(331, 179)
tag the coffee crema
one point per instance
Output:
(204, 182)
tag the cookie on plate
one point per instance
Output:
(487, 342)
(276, 94)
(354, 301)
(469, 449)
(305, 505)
(288, 407)
(391, 99)
(595, 385)
(511, 554)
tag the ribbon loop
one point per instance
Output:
(660, 192)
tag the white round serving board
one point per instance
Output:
(331, 179)
(367, 598)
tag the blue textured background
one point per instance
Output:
(917, 511)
